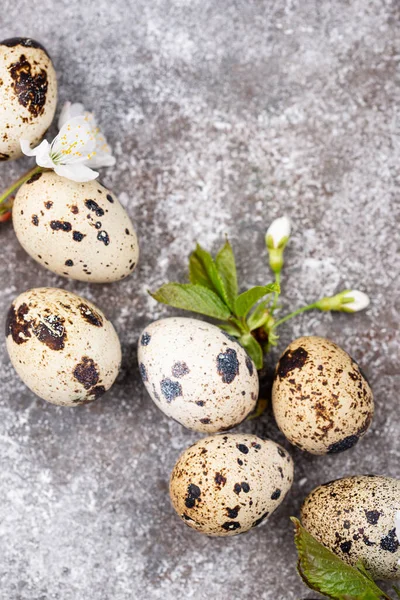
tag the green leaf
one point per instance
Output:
(326, 573)
(248, 299)
(261, 405)
(226, 266)
(231, 329)
(197, 272)
(253, 349)
(195, 298)
(203, 271)
(259, 316)
(397, 590)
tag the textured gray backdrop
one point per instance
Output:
(223, 115)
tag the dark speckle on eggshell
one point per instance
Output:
(34, 178)
(145, 339)
(390, 543)
(343, 445)
(228, 365)
(242, 448)
(170, 389)
(231, 525)
(86, 372)
(249, 365)
(180, 369)
(290, 361)
(193, 494)
(143, 372)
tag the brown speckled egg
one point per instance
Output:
(78, 230)
(197, 374)
(321, 400)
(28, 94)
(62, 346)
(355, 518)
(227, 484)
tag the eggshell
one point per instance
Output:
(28, 94)
(227, 484)
(321, 400)
(355, 518)
(62, 346)
(197, 374)
(78, 230)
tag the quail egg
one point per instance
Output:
(78, 230)
(321, 399)
(28, 94)
(355, 518)
(62, 346)
(197, 374)
(227, 484)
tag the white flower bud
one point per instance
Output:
(354, 300)
(278, 233)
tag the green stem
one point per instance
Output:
(276, 295)
(19, 182)
(294, 314)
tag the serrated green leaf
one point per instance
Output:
(195, 298)
(248, 299)
(326, 573)
(259, 316)
(203, 271)
(226, 266)
(253, 349)
(231, 329)
(197, 272)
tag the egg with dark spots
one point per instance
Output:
(82, 235)
(218, 496)
(321, 400)
(62, 346)
(28, 94)
(196, 374)
(355, 518)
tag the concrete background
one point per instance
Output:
(223, 115)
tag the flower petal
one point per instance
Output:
(354, 300)
(278, 232)
(28, 151)
(76, 172)
(101, 159)
(41, 152)
(75, 142)
(69, 111)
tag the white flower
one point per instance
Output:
(77, 148)
(278, 233)
(354, 300)
(346, 301)
(103, 156)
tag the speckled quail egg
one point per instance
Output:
(197, 374)
(227, 484)
(28, 94)
(321, 400)
(355, 518)
(62, 346)
(79, 230)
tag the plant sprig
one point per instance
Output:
(213, 291)
(249, 316)
(324, 572)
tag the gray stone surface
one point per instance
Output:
(223, 115)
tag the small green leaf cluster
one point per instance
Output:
(213, 291)
(326, 573)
